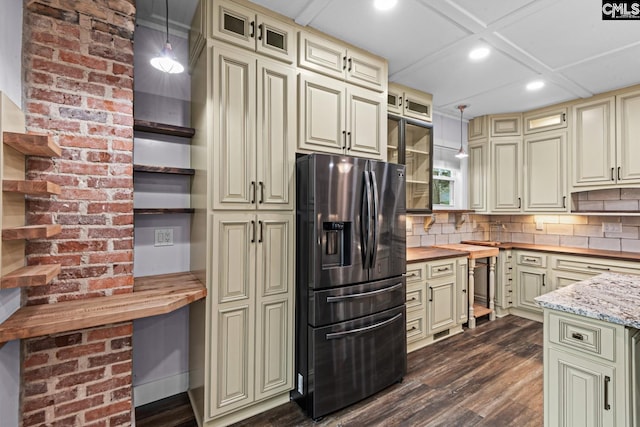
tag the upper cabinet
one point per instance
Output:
(506, 125)
(506, 177)
(477, 128)
(339, 118)
(408, 102)
(628, 137)
(336, 60)
(540, 121)
(245, 27)
(545, 184)
(478, 175)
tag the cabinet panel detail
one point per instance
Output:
(275, 260)
(275, 349)
(234, 266)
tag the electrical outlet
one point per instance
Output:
(612, 227)
(539, 225)
(164, 237)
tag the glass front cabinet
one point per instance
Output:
(410, 142)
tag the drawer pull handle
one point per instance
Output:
(607, 380)
(341, 298)
(412, 275)
(440, 270)
(577, 336)
(412, 299)
(529, 259)
(413, 328)
(544, 276)
(431, 294)
(598, 268)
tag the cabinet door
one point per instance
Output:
(234, 177)
(545, 186)
(628, 135)
(275, 38)
(233, 298)
(462, 275)
(579, 392)
(394, 131)
(545, 121)
(321, 116)
(478, 173)
(276, 135)
(506, 175)
(417, 106)
(394, 100)
(506, 125)
(366, 123)
(366, 70)
(234, 23)
(275, 287)
(441, 305)
(593, 148)
(530, 283)
(321, 55)
(477, 128)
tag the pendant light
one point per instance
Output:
(166, 61)
(461, 153)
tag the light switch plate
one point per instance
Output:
(539, 225)
(612, 227)
(164, 237)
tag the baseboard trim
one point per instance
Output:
(159, 389)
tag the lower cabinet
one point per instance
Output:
(437, 304)
(589, 372)
(251, 302)
(531, 279)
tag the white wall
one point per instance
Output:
(160, 343)
(11, 84)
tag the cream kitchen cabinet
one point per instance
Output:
(334, 59)
(462, 298)
(545, 184)
(416, 304)
(545, 120)
(505, 125)
(340, 118)
(441, 304)
(252, 321)
(407, 102)
(477, 128)
(254, 134)
(242, 26)
(627, 137)
(478, 175)
(588, 371)
(504, 282)
(532, 279)
(506, 175)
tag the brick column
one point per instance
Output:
(78, 86)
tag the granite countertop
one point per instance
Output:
(431, 253)
(599, 253)
(611, 297)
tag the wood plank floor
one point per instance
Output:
(490, 376)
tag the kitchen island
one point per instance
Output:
(592, 352)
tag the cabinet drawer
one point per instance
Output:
(583, 335)
(415, 297)
(416, 329)
(441, 269)
(415, 273)
(534, 259)
(592, 266)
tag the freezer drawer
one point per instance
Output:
(350, 302)
(355, 359)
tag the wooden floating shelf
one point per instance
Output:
(152, 295)
(32, 275)
(162, 211)
(31, 187)
(163, 129)
(31, 232)
(32, 144)
(164, 169)
(480, 310)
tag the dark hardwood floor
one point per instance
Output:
(489, 376)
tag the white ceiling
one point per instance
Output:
(563, 42)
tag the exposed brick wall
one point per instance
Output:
(78, 86)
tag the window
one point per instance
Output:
(443, 187)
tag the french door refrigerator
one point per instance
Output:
(350, 288)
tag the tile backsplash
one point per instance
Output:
(579, 231)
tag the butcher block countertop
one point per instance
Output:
(611, 297)
(474, 251)
(431, 253)
(598, 253)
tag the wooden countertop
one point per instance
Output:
(431, 253)
(599, 253)
(151, 295)
(474, 251)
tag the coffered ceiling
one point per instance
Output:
(565, 43)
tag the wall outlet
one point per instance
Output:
(164, 237)
(539, 225)
(612, 227)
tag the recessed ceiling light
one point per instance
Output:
(535, 85)
(384, 4)
(479, 53)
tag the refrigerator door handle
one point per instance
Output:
(365, 215)
(374, 220)
(349, 297)
(335, 335)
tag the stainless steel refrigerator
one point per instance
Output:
(350, 288)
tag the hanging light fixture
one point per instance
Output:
(461, 153)
(166, 61)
